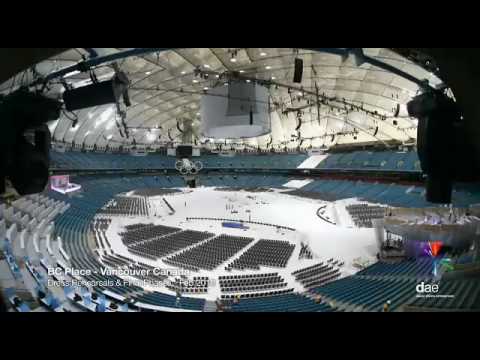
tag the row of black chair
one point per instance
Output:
(272, 253)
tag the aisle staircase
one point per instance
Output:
(210, 306)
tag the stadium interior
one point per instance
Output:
(239, 180)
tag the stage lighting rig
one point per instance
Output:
(25, 140)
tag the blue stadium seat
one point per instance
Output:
(104, 161)
(372, 160)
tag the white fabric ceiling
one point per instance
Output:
(157, 100)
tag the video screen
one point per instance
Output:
(184, 151)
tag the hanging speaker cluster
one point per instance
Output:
(98, 93)
(240, 110)
(298, 73)
(438, 150)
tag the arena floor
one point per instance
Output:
(341, 241)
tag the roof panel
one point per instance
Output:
(165, 86)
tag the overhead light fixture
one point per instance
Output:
(205, 88)
(217, 76)
(225, 84)
(263, 53)
(183, 72)
(268, 67)
(148, 73)
(233, 58)
(195, 81)
(206, 66)
(242, 71)
(248, 80)
(72, 73)
(273, 78)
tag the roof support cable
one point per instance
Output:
(73, 119)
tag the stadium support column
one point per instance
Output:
(187, 132)
(379, 226)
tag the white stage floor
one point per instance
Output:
(341, 241)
